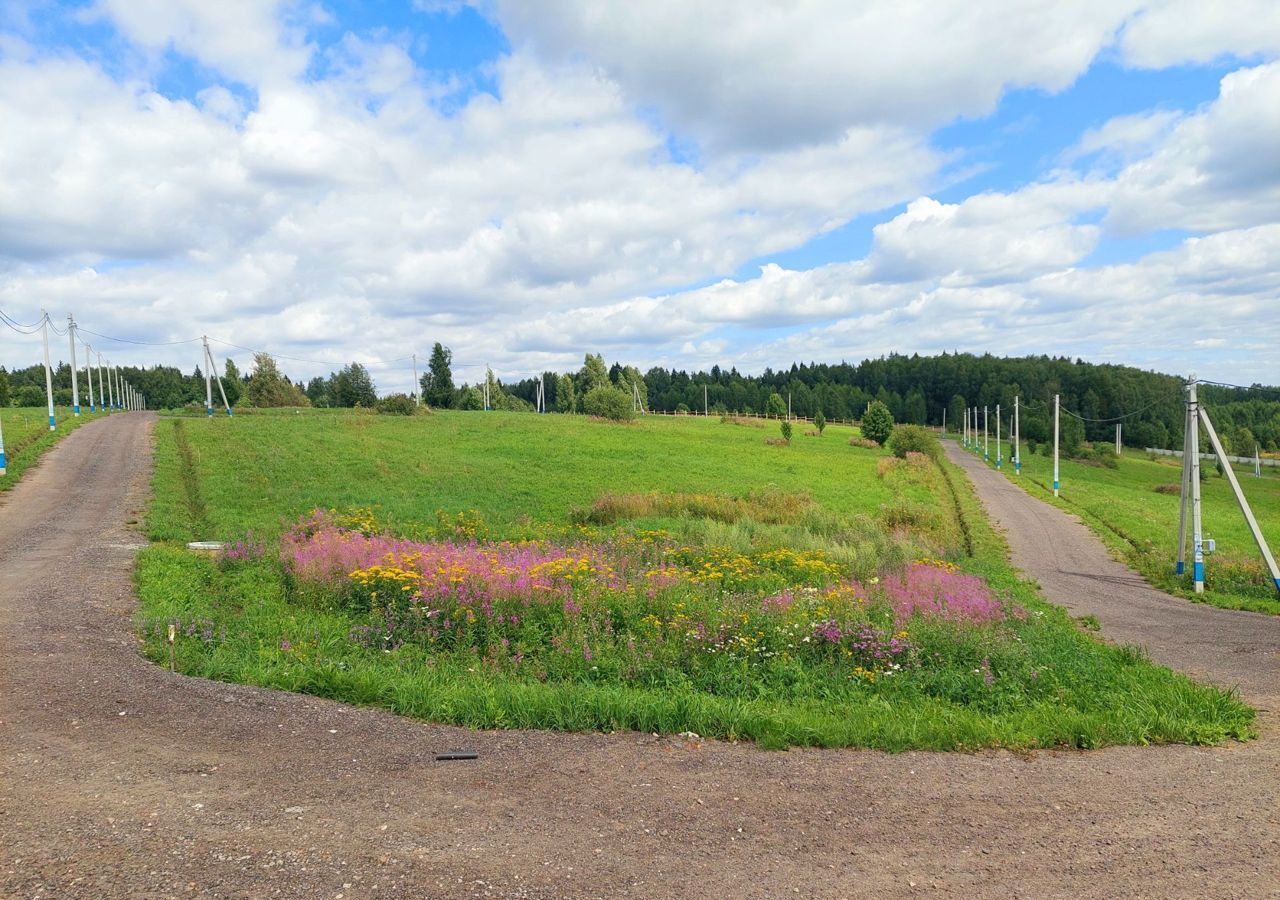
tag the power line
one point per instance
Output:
(18, 326)
(107, 337)
(1119, 418)
(1241, 387)
(317, 362)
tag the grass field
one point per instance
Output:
(27, 436)
(1124, 508)
(512, 570)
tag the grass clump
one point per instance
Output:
(770, 505)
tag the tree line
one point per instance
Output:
(915, 389)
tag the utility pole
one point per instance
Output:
(964, 429)
(1230, 475)
(1017, 439)
(113, 387)
(210, 367)
(986, 436)
(1056, 405)
(48, 372)
(1118, 438)
(75, 376)
(788, 406)
(1184, 496)
(88, 374)
(944, 421)
(706, 410)
(1197, 533)
(417, 388)
(999, 460)
(208, 378)
(102, 395)
(1257, 461)
(2, 469)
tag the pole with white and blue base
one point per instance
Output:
(1055, 445)
(75, 376)
(1017, 440)
(48, 372)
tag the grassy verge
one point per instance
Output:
(27, 437)
(1133, 508)
(783, 612)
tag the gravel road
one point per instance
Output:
(118, 779)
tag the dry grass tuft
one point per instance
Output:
(770, 506)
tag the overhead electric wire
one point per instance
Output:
(107, 337)
(317, 362)
(1037, 404)
(1241, 387)
(18, 326)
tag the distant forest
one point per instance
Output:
(917, 389)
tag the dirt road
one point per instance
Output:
(120, 780)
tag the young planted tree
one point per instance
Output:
(877, 424)
(819, 422)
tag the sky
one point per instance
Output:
(666, 183)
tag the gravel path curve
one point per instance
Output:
(118, 779)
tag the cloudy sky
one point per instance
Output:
(665, 182)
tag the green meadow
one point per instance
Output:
(27, 436)
(699, 579)
(1134, 509)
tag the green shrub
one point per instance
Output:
(28, 395)
(682, 409)
(786, 431)
(775, 406)
(877, 424)
(913, 438)
(396, 405)
(608, 402)
(819, 421)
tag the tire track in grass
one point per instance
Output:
(956, 508)
(196, 508)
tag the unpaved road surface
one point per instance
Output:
(118, 779)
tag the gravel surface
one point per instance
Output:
(118, 779)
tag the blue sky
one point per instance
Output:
(666, 183)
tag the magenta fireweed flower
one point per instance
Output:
(937, 593)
